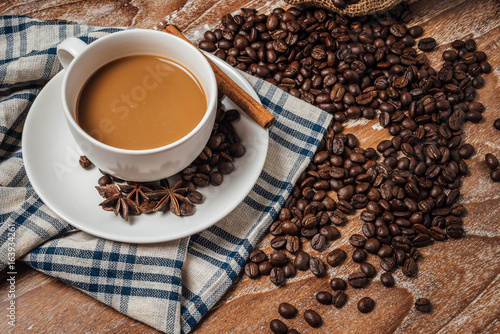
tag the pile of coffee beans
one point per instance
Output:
(405, 189)
(217, 157)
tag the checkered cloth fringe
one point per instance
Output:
(169, 286)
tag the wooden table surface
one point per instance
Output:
(461, 277)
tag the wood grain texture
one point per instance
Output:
(461, 277)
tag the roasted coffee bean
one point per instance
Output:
(252, 270)
(496, 124)
(369, 230)
(368, 269)
(85, 163)
(278, 258)
(105, 180)
(385, 251)
(339, 298)
(301, 261)
(278, 242)
(357, 280)
(337, 284)
(437, 233)
(366, 305)
(318, 242)
(416, 31)
(324, 297)
(313, 318)
(289, 270)
(491, 161)
(359, 255)
(336, 257)
(287, 311)
(292, 244)
(427, 44)
(455, 231)
(265, 268)
(317, 266)
(388, 264)
(357, 240)
(423, 305)
(330, 232)
(340, 4)
(277, 276)
(387, 280)
(372, 245)
(466, 151)
(495, 175)
(257, 256)
(410, 268)
(289, 227)
(278, 327)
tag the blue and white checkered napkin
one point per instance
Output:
(168, 286)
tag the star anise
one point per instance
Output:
(114, 201)
(171, 196)
(136, 191)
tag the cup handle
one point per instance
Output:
(68, 49)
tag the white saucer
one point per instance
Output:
(51, 160)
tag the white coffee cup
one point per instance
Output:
(81, 61)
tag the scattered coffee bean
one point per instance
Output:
(336, 257)
(423, 305)
(387, 280)
(339, 298)
(278, 258)
(359, 255)
(357, 280)
(278, 327)
(317, 266)
(466, 151)
(491, 161)
(366, 305)
(496, 124)
(357, 240)
(301, 261)
(290, 270)
(368, 269)
(427, 44)
(252, 270)
(257, 256)
(105, 180)
(313, 318)
(84, 162)
(495, 175)
(287, 311)
(278, 242)
(265, 268)
(337, 284)
(277, 276)
(410, 268)
(324, 297)
(388, 264)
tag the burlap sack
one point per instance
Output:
(362, 7)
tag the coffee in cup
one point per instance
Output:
(140, 102)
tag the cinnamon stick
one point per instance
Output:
(232, 90)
